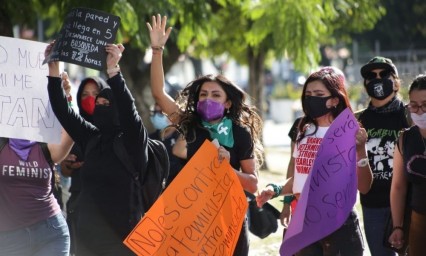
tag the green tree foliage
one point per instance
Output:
(247, 30)
(403, 27)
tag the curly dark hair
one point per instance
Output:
(334, 80)
(240, 113)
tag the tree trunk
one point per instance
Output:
(256, 62)
(6, 27)
(137, 75)
(256, 67)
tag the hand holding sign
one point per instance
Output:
(331, 188)
(83, 37)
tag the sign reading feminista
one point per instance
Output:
(200, 213)
(330, 191)
(25, 111)
(83, 38)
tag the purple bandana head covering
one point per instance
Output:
(21, 147)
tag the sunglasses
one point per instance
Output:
(383, 74)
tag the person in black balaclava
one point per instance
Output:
(106, 214)
(384, 117)
(87, 91)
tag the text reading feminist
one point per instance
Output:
(200, 213)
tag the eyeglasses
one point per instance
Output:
(414, 108)
(383, 74)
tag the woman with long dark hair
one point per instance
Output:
(210, 107)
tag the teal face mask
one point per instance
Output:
(159, 121)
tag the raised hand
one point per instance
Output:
(53, 65)
(114, 54)
(66, 84)
(157, 31)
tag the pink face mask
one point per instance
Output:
(419, 120)
(210, 110)
(88, 104)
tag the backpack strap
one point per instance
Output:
(55, 180)
(3, 142)
(135, 188)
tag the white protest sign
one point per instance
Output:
(25, 111)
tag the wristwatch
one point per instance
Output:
(363, 162)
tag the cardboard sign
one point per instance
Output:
(330, 191)
(25, 111)
(83, 38)
(200, 213)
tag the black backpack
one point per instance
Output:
(56, 187)
(149, 182)
(154, 177)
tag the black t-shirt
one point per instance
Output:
(382, 130)
(242, 149)
(415, 167)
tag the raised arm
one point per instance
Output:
(159, 36)
(73, 123)
(130, 120)
(59, 151)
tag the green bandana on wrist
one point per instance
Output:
(221, 131)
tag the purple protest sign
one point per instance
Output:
(330, 191)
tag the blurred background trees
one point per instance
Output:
(251, 32)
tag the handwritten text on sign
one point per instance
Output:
(200, 213)
(83, 38)
(329, 193)
(25, 110)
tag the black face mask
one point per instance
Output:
(379, 88)
(104, 117)
(315, 106)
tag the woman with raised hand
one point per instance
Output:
(210, 107)
(108, 205)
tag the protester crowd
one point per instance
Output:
(111, 141)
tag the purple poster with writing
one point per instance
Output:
(330, 191)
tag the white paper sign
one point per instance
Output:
(25, 111)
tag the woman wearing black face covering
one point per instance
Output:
(105, 214)
(323, 98)
(86, 95)
(384, 117)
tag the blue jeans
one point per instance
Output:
(345, 241)
(374, 226)
(46, 237)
